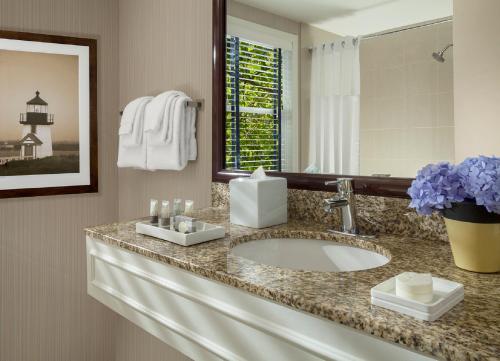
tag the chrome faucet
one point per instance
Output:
(345, 202)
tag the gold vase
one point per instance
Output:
(474, 236)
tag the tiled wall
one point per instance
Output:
(375, 214)
(477, 77)
(406, 101)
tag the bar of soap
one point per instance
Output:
(183, 228)
(414, 286)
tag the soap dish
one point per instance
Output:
(446, 295)
(204, 232)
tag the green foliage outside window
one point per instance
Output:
(258, 90)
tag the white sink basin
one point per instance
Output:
(309, 255)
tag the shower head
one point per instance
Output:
(439, 56)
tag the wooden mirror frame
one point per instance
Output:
(376, 186)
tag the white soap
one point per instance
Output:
(414, 286)
(183, 227)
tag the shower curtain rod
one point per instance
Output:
(411, 27)
(393, 31)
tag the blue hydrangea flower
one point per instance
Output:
(436, 186)
(480, 177)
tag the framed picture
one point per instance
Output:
(48, 115)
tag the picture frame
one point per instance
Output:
(48, 116)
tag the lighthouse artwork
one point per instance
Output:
(34, 87)
(48, 114)
(36, 141)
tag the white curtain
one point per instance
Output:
(334, 109)
(288, 146)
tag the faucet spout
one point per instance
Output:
(335, 203)
(345, 202)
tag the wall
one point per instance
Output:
(167, 45)
(477, 77)
(45, 313)
(262, 17)
(406, 101)
(164, 45)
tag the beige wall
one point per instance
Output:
(167, 45)
(45, 312)
(262, 17)
(477, 77)
(406, 101)
(164, 45)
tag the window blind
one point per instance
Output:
(253, 105)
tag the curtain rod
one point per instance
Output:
(411, 27)
(393, 31)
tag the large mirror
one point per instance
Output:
(338, 87)
(356, 87)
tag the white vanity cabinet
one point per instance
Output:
(208, 320)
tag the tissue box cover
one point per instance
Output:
(258, 203)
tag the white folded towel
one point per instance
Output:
(171, 139)
(132, 122)
(132, 145)
(157, 111)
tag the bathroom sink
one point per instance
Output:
(309, 255)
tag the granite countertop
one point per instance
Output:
(470, 331)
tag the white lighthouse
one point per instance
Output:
(36, 140)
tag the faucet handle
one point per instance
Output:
(344, 185)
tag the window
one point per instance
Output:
(259, 116)
(254, 102)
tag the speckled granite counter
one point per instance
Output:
(470, 331)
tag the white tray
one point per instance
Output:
(204, 232)
(446, 295)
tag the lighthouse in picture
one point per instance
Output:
(36, 139)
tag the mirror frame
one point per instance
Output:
(375, 186)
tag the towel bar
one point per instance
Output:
(191, 103)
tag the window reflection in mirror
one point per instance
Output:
(339, 87)
(261, 97)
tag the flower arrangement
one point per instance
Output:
(439, 186)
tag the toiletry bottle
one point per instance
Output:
(153, 211)
(177, 207)
(175, 212)
(165, 213)
(188, 207)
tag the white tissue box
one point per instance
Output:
(258, 203)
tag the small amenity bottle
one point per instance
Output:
(188, 207)
(164, 213)
(153, 211)
(176, 211)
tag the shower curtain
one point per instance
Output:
(334, 108)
